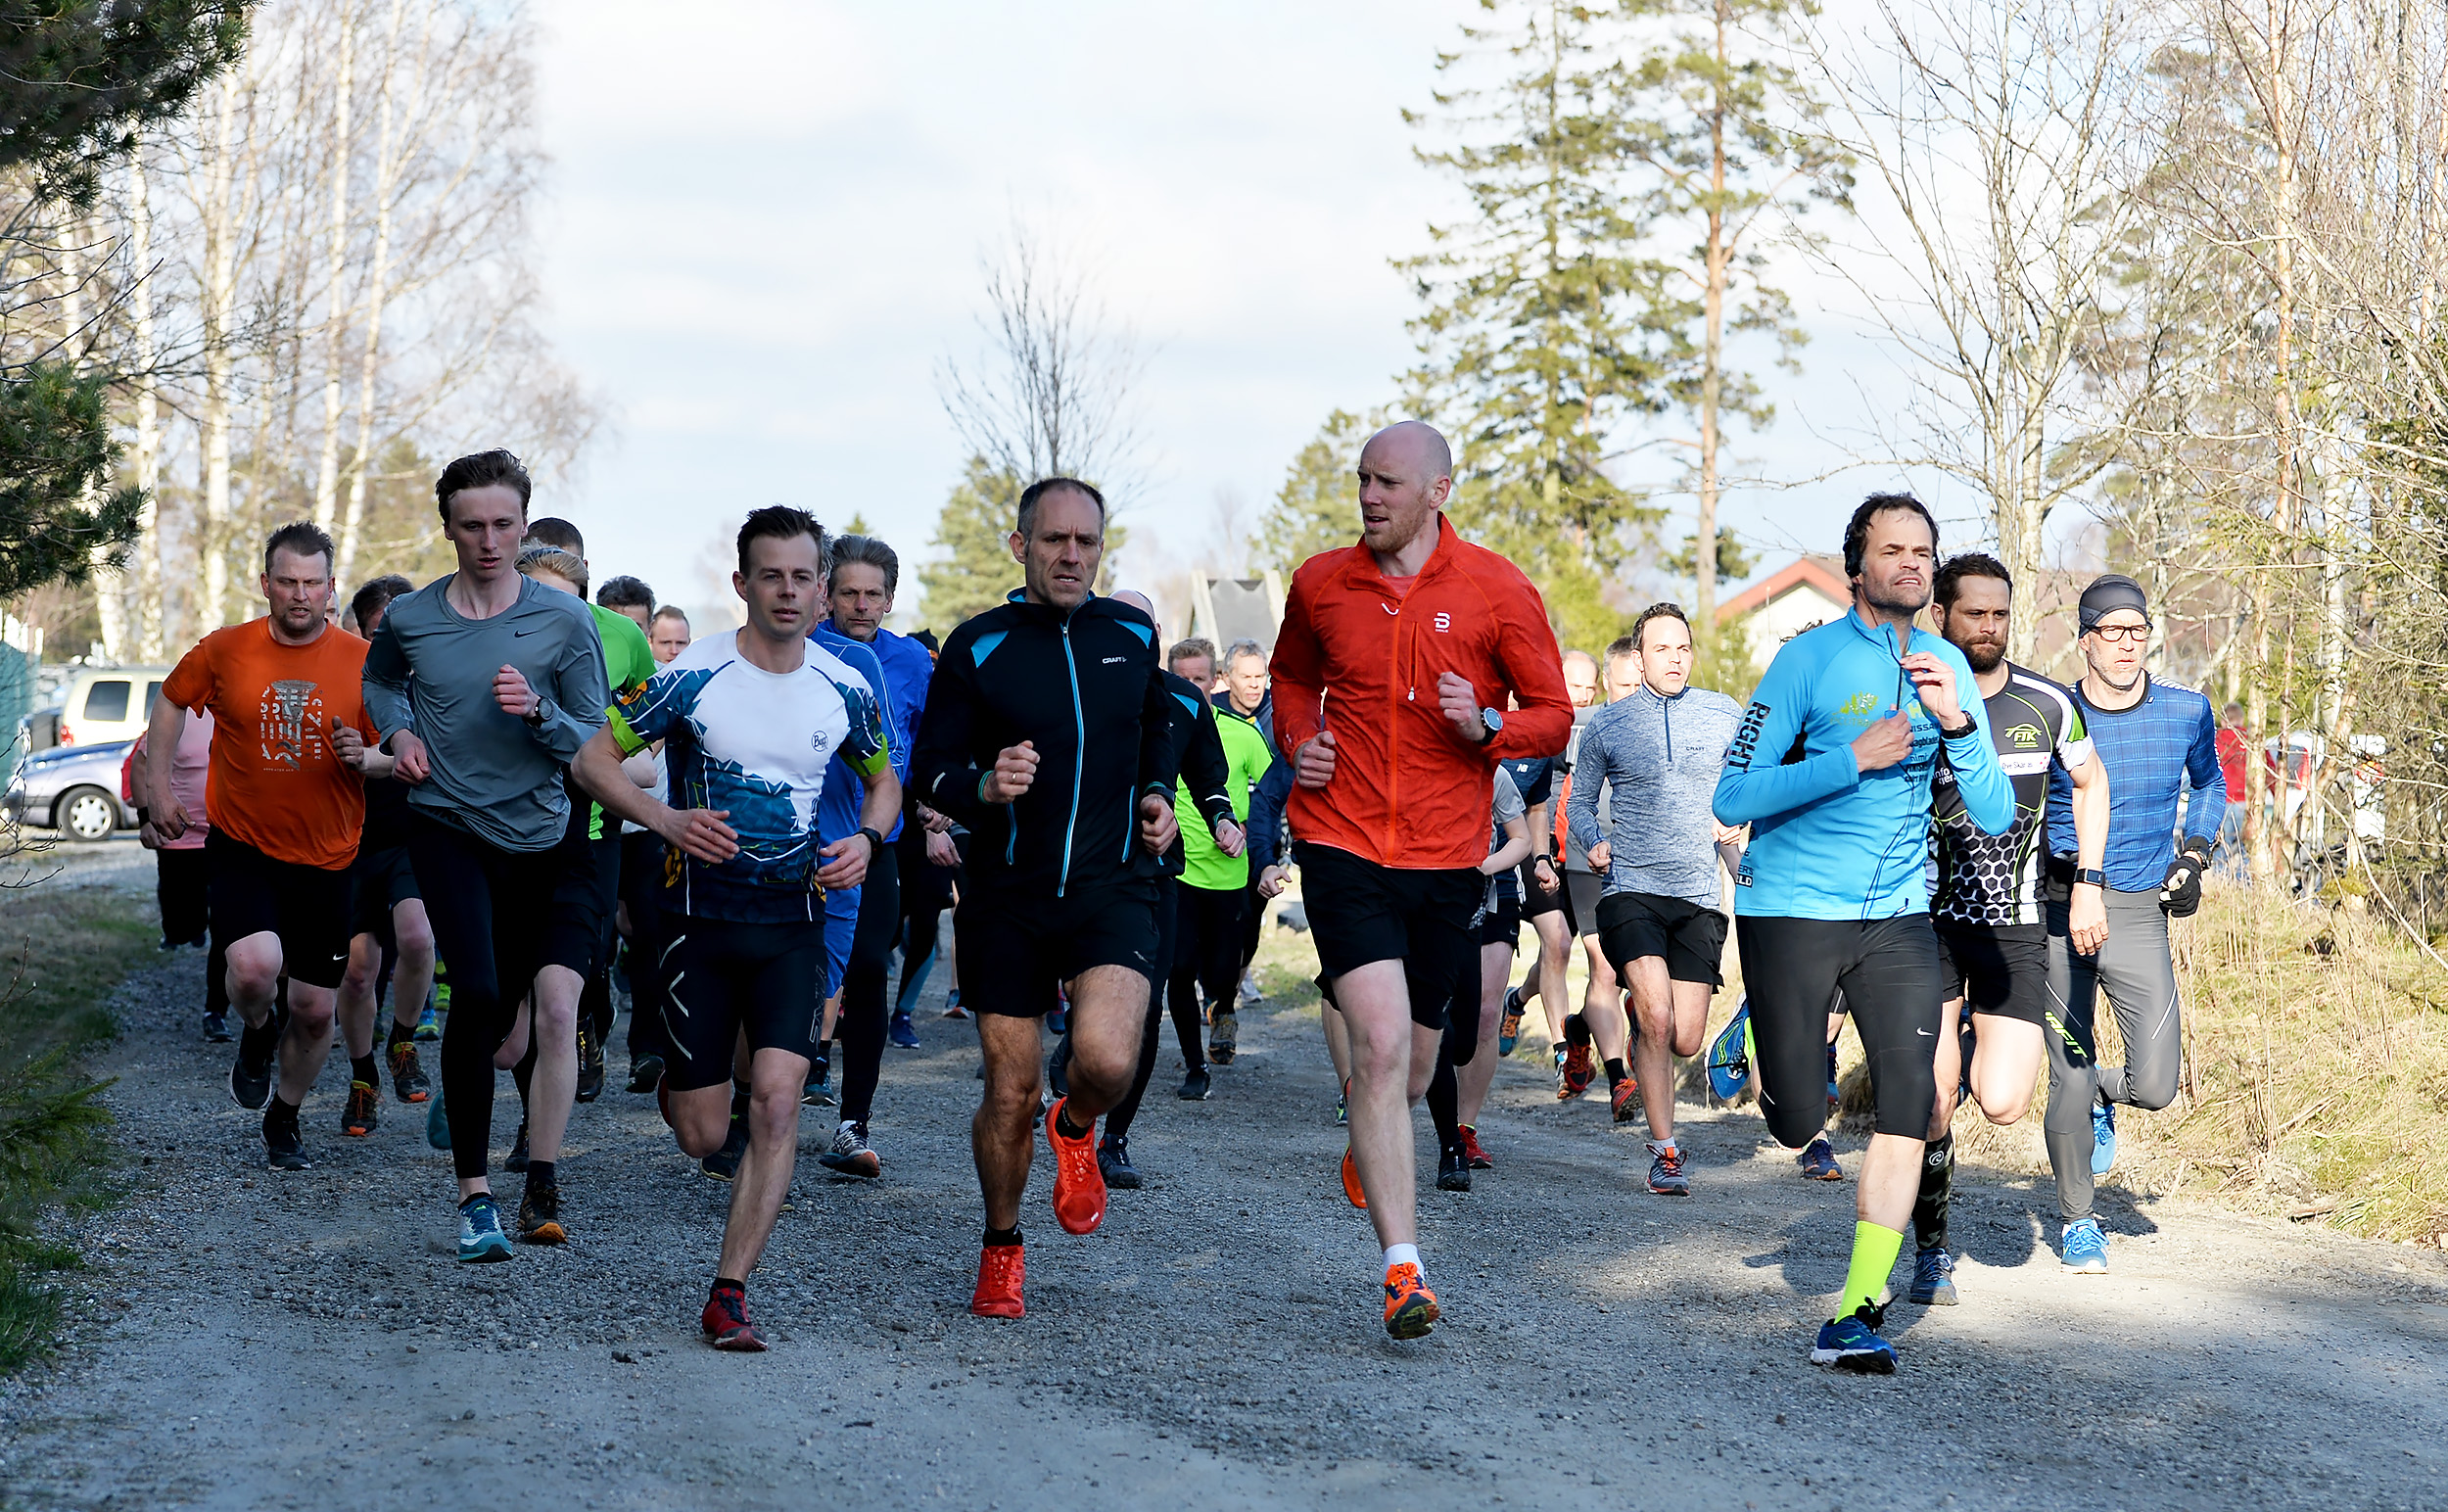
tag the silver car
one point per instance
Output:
(74, 789)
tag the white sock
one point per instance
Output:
(1401, 1254)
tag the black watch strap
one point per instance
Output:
(876, 843)
(2090, 875)
(1958, 733)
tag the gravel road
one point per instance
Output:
(247, 1340)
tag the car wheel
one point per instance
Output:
(87, 813)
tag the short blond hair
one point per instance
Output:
(568, 566)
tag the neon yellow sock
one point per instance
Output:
(1874, 1251)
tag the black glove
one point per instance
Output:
(2180, 893)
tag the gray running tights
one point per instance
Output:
(2135, 971)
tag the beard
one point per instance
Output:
(1888, 598)
(1984, 655)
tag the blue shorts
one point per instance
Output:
(841, 929)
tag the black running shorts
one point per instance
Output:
(380, 881)
(720, 978)
(1502, 925)
(1017, 948)
(1895, 988)
(1691, 938)
(1581, 891)
(1534, 901)
(1361, 913)
(2000, 968)
(308, 906)
(580, 935)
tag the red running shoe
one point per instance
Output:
(1410, 1307)
(1472, 1153)
(1078, 1183)
(1577, 1068)
(1352, 1182)
(1000, 1271)
(1624, 1099)
(726, 1320)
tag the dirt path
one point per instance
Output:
(307, 1341)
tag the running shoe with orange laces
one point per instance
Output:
(1410, 1307)
(1001, 1268)
(366, 1110)
(1573, 1079)
(1352, 1189)
(1472, 1152)
(408, 1078)
(1624, 1099)
(726, 1319)
(1078, 1185)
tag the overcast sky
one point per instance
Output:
(764, 232)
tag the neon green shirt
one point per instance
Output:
(627, 662)
(1246, 760)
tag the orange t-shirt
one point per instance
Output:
(275, 782)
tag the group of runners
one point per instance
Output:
(493, 778)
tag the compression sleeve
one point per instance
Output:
(2202, 765)
(1753, 785)
(384, 684)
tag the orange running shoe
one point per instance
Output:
(726, 1320)
(1472, 1153)
(1078, 1184)
(1577, 1070)
(1624, 1099)
(1352, 1182)
(1410, 1307)
(1000, 1271)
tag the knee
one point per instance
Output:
(360, 982)
(417, 945)
(252, 974)
(700, 1136)
(2002, 1111)
(555, 1021)
(774, 1115)
(1104, 1065)
(1795, 1127)
(2150, 1093)
(1382, 1060)
(309, 1013)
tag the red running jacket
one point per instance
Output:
(1358, 659)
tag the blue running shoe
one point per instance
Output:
(2083, 1248)
(429, 1023)
(1853, 1344)
(1729, 1055)
(437, 1123)
(1509, 1027)
(1819, 1162)
(481, 1239)
(1933, 1279)
(904, 1035)
(2103, 1139)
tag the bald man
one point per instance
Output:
(1400, 653)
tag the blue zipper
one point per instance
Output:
(1079, 757)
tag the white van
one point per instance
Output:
(102, 704)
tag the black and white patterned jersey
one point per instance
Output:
(2035, 725)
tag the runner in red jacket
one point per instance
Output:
(1392, 673)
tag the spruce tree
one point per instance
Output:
(973, 532)
(1318, 507)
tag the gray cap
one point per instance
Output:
(2109, 593)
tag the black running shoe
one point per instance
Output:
(644, 1072)
(516, 1159)
(216, 1028)
(1453, 1171)
(1196, 1086)
(251, 1074)
(724, 1163)
(284, 1148)
(540, 1216)
(1114, 1158)
(590, 1064)
(408, 1078)
(1058, 1069)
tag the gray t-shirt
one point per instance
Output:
(1575, 854)
(494, 776)
(1658, 759)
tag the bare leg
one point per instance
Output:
(305, 1042)
(1602, 1004)
(1002, 1135)
(2007, 1056)
(776, 1080)
(1108, 1011)
(1673, 1021)
(1546, 978)
(554, 1087)
(1891, 1178)
(1337, 1041)
(1392, 1060)
(355, 1006)
(412, 977)
(1471, 1082)
(254, 976)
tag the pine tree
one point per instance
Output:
(1318, 507)
(1728, 134)
(1546, 328)
(973, 532)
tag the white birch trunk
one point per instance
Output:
(336, 269)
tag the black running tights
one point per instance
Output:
(489, 910)
(861, 1026)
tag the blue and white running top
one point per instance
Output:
(2162, 751)
(758, 744)
(1827, 841)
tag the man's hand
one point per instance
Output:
(1886, 743)
(2180, 892)
(940, 851)
(1459, 701)
(349, 746)
(1313, 765)
(1157, 826)
(1015, 772)
(845, 863)
(700, 833)
(1601, 857)
(510, 690)
(1228, 839)
(1543, 873)
(146, 837)
(169, 817)
(2087, 918)
(1727, 834)
(1271, 882)
(409, 763)
(932, 821)
(1935, 681)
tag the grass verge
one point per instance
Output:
(64, 946)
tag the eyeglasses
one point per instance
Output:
(2120, 634)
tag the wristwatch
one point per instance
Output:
(534, 717)
(875, 841)
(1960, 731)
(1492, 720)
(2090, 875)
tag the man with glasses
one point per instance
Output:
(2159, 746)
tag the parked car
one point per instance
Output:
(102, 704)
(74, 789)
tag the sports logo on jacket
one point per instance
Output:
(1445, 622)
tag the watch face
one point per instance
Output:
(1491, 718)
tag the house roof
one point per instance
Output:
(1823, 573)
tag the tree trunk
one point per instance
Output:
(152, 635)
(1713, 356)
(378, 270)
(220, 291)
(336, 271)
